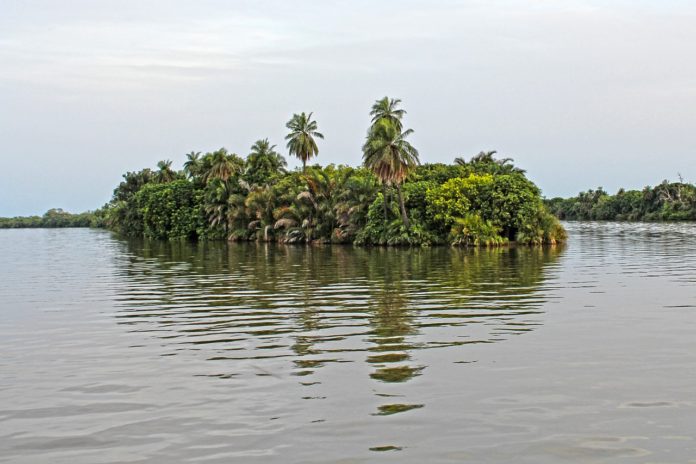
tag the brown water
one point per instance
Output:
(132, 352)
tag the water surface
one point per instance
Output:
(118, 351)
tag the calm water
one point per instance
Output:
(131, 352)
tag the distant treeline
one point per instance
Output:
(53, 218)
(668, 201)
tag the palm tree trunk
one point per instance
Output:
(404, 216)
(384, 201)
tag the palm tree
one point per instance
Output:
(354, 201)
(237, 215)
(485, 157)
(296, 224)
(263, 162)
(165, 173)
(301, 141)
(319, 210)
(192, 166)
(324, 186)
(481, 157)
(391, 157)
(494, 165)
(260, 203)
(222, 165)
(216, 202)
(386, 108)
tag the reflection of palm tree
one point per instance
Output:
(311, 305)
(392, 322)
(392, 325)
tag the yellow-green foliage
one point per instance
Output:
(456, 197)
(490, 210)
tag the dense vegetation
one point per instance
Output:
(668, 201)
(53, 218)
(391, 200)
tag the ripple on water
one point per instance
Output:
(123, 350)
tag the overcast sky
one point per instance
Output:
(580, 93)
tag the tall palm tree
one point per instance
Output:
(192, 166)
(301, 143)
(391, 157)
(387, 108)
(263, 162)
(165, 173)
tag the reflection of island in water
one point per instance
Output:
(319, 305)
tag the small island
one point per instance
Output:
(392, 199)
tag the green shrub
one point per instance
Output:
(473, 230)
(169, 210)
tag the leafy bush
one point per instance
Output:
(169, 210)
(393, 232)
(473, 230)
(490, 210)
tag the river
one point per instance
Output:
(128, 351)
